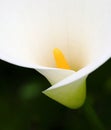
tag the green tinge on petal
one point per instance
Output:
(71, 95)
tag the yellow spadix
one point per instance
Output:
(60, 59)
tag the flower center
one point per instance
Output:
(60, 59)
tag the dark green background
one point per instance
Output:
(24, 107)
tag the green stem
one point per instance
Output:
(92, 116)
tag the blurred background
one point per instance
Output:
(24, 107)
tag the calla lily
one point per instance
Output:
(30, 30)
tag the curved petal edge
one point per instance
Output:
(71, 95)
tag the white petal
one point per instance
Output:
(55, 75)
(31, 29)
(71, 95)
(71, 91)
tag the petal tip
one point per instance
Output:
(71, 96)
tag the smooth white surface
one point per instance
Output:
(31, 29)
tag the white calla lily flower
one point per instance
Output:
(31, 29)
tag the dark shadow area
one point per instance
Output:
(24, 107)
